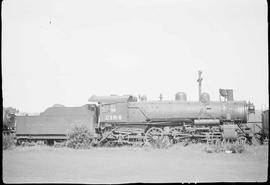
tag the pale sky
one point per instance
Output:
(63, 52)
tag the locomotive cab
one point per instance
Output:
(111, 109)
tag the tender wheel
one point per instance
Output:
(154, 136)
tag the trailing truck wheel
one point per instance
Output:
(154, 136)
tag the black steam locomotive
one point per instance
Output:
(124, 119)
(129, 120)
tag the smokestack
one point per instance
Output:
(200, 83)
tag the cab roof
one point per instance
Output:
(112, 99)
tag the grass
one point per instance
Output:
(178, 163)
(8, 141)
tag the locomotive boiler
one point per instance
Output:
(124, 119)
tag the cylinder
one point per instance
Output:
(206, 121)
(229, 131)
(205, 98)
(180, 96)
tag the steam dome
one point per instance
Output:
(180, 96)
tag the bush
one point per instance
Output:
(29, 143)
(60, 144)
(40, 143)
(228, 147)
(161, 143)
(80, 137)
(8, 141)
(239, 148)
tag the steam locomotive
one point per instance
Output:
(129, 120)
(124, 119)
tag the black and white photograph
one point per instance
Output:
(134, 91)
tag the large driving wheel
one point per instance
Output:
(178, 135)
(154, 136)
